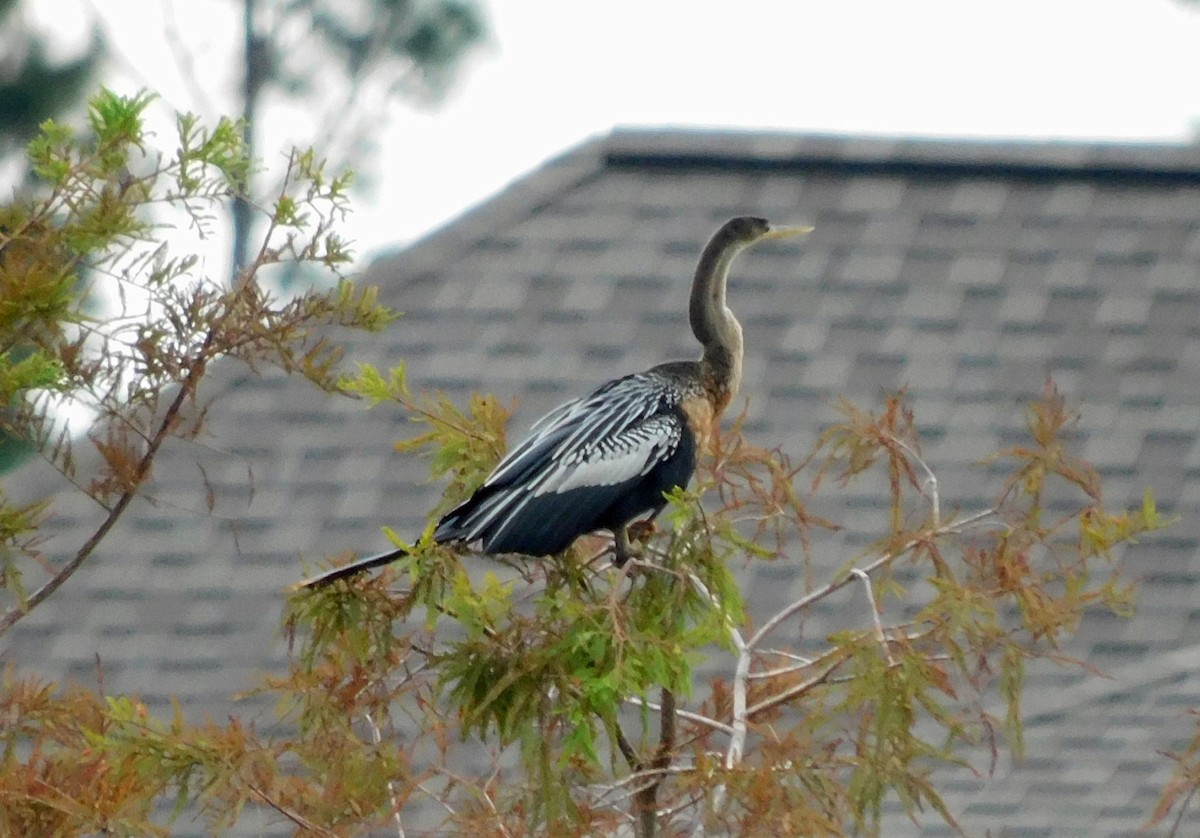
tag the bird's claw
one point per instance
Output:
(642, 530)
(638, 531)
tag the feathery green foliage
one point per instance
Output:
(514, 696)
(101, 317)
(564, 660)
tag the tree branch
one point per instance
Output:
(295, 817)
(849, 576)
(626, 749)
(875, 617)
(699, 719)
(186, 389)
(930, 480)
(377, 738)
(645, 800)
(794, 692)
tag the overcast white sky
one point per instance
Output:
(558, 72)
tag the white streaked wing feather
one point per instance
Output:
(552, 424)
(496, 505)
(622, 457)
(579, 423)
(614, 422)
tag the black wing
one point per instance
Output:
(581, 468)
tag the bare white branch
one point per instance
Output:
(737, 739)
(798, 689)
(698, 718)
(789, 655)
(491, 804)
(739, 729)
(635, 782)
(839, 583)
(930, 481)
(876, 618)
(438, 799)
(665, 814)
(377, 738)
(779, 671)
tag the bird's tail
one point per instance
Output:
(348, 570)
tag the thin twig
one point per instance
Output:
(780, 671)
(295, 817)
(930, 480)
(795, 691)
(879, 635)
(848, 577)
(377, 738)
(633, 782)
(141, 472)
(1187, 801)
(247, 275)
(826, 677)
(679, 807)
(626, 749)
(438, 799)
(785, 654)
(471, 786)
(491, 804)
(707, 721)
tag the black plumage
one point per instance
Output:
(597, 462)
(606, 459)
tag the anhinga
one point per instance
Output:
(604, 460)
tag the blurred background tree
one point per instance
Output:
(409, 48)
(34, 85)
(365, 53)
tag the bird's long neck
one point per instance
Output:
(713, 323)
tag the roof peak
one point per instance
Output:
(680, 150)
(1039, 160)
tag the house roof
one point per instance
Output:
(966, 271)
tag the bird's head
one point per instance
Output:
(746, 230)
(713, 323)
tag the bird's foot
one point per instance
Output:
(623, 547)
(642, 531)
(623, 551)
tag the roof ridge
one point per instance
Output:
(519, 197)
(841, 154)
(1039, 160)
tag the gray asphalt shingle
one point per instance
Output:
(966, 271)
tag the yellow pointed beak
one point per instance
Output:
(785, 232)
